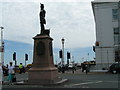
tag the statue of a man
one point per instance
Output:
(42, 18)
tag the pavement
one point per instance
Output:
(21, 78)
(91, 72)
(92, 80)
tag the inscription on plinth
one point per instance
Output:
(40, 48)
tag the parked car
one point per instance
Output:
(114, 68)
(61, 68)
(71, 65)
(29, 66)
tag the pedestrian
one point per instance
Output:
(1, 74)
(20, 68)
(23, 69)
(63, 69)
(11, 72)
(73, 70)
(5, 70)
(83, 67)
(7, 65)
(86, 68)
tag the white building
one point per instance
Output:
(106, 15)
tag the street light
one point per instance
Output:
(63, 40)
(2, 46)
(2, 51)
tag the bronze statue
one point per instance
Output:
(42, 18)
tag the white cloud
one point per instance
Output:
(106, 0)
(73, 21)
(20, 21)
(46, 0)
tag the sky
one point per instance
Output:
(71, 20)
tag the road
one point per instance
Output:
(76, 80)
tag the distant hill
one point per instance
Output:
(20, 49)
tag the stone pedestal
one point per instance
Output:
(43, 70)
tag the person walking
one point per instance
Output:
(23, 69)
(1, 74)
(83, 67)
(5, 70)
(87, 68)
(20, 68)
(11, 72)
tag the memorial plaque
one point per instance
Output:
(40, 48)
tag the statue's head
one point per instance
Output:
(42, 6)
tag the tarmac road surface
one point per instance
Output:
(92, 80)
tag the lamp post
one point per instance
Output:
(2, 46)
(119, 39)
(2, 51)
(63, 40)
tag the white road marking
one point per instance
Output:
(78, 84)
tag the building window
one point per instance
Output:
(116, 56)
(115, 14)
(116, 36)
(116, 30)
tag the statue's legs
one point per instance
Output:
(42, 28)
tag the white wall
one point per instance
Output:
(106, 0)
(104, 33)
(105, 55)
(104, 24)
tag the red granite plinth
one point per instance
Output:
(43, 70)
(45, 76)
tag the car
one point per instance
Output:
(29, 66)
(70, 65)
(114, 68)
